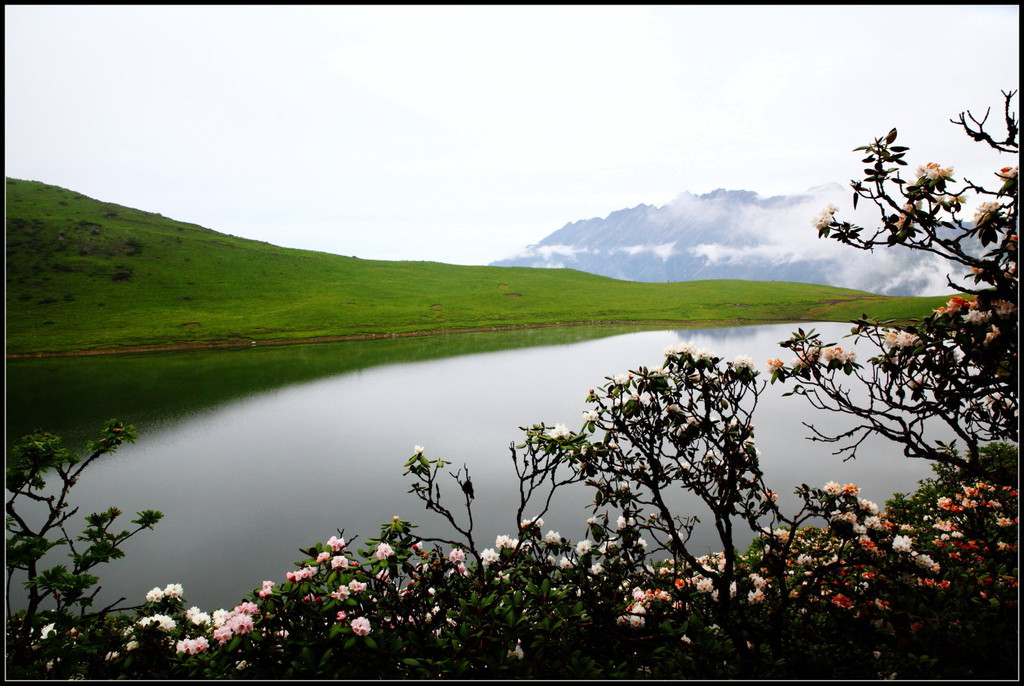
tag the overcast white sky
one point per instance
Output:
(461, 134)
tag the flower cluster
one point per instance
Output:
(825, 218)
(934, 172)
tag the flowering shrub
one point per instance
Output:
(924, 586)
(958, 367)
(39, 457)
(911, 589)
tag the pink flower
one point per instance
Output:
(301, 574)
(457, 556)
(266, 590)
(323, 557)
(357, 586)
(341, 593)
(223, 634)
(336, 544)
(191, 646)
(341, 616)
(338, 561)
(240, 624)
(383, 551)
(246, 608)
(360, 626)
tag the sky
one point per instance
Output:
(462, 134)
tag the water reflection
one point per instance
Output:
(299, 444)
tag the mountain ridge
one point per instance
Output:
(733, 234)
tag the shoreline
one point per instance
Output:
(245, 342)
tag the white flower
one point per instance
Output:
(559, 431)
(1004, 308)
(832, 488)
(488, 556)
(705, 585)
(596, 570)
(516, 652)
(163, 622)
(154, 595)
(46, 631)
(173, 590)
(504, 541)
(977, 317)
(868, 506)
(933, 171)
(824, 218)
(902, 544)
(679, 349)
(197, 616)
(744, 361)
(620, 379)
(901, 339)
(552, 537)
(756, 596)
(590, 416)
(564, 562)
(984, 210)
(418, 450)
(584, 546)
(926, 562)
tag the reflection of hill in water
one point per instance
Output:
(72, 397)
(735, 333)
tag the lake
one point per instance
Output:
(254, 453)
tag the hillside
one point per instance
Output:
(91, 276)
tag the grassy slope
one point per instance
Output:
(88, 275)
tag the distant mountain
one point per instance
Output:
(735, 234)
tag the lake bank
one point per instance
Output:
(246, 342)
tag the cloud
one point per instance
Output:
(662, 250)
(778, 231)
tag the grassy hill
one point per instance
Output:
(90, 276)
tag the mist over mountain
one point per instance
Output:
(737, 234)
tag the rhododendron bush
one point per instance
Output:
(921, 586)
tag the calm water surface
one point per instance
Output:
(252, 454)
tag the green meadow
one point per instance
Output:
(85, 275)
